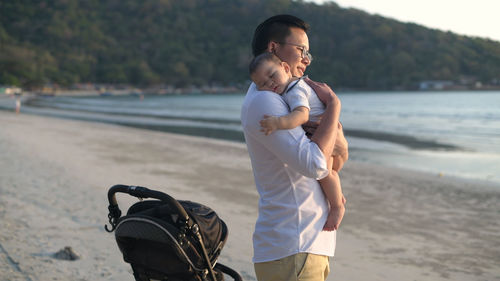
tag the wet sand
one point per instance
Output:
(54, 176)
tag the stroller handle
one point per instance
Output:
(140, 192)
(229, 271)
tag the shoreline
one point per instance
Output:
(54, 175)
(126, 90)
(228, 134)
(388, 149)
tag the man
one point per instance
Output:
(289, 243)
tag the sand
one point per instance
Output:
(54, 177)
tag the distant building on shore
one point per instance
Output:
(10, 90)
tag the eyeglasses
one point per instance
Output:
(305, 53)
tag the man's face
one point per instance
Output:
(291, 51)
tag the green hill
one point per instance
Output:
(197, 42)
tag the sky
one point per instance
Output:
(479, 18)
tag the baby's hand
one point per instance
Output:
(269, 124)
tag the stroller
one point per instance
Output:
(166, 239)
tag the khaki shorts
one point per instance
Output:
(298, 267)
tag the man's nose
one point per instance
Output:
(306, 61)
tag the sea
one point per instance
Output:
(448, 134)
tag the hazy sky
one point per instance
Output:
(475, 18)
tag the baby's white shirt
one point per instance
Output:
(298, 93)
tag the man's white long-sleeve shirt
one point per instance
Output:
(286, 164)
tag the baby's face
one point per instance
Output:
(273, 77)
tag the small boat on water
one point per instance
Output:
(105, 94)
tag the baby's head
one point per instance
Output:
(269, 73)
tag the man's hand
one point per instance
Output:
(324, 92)
(310, 127)
(269, 124)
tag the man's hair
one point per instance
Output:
(260, 59)
(275, 28)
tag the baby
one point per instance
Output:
(269, 73)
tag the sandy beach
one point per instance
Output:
(55, 173)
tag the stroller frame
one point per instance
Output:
(186, 225)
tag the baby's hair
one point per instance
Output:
(258, 60)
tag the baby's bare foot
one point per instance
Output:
(330, 222)
(334, 218)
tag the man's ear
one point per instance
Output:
(271, 46)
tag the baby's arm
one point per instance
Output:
(297, 117)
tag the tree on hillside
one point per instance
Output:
(197, 42)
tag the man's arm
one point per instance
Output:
(326, 133)
(291, 147)
(297, 117)
(341, 148)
